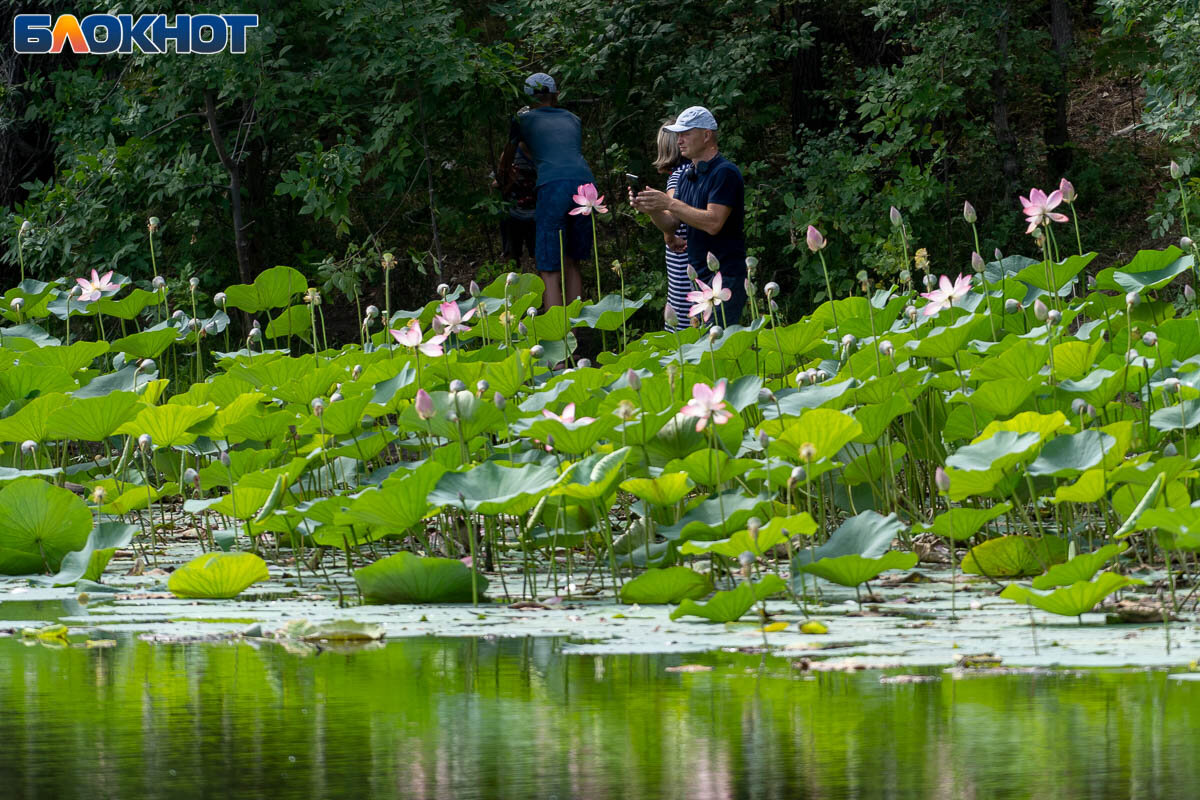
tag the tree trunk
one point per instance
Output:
(1056, 135)
(437, 242)
(1006, 141)
(235, 188)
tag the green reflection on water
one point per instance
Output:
(518, 718)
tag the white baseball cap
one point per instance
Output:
(694, 117)
(540, 82)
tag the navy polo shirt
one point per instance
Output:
(555, 137)
(721, 183)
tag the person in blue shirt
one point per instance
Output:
(554, 137)
(711, 201)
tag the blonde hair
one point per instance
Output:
(668, 148)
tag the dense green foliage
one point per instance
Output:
(355, 128)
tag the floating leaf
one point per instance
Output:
(217, 576)
(1014, 556)
(1073, 600)
(39, 525)
(852, 569)
(963, 523)
(1080, 568)
(670, 585)
(730, 605)
(406, 578)
(778, 531)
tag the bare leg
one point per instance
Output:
(574, 280)
(553, 283)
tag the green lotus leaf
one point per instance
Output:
(390, 393)
(70, 359)
(169, 425)
(1020, 362)
(406, 578)
(868, 534)
(136, 498)
(963, 523)
(493, 489)
(593, 478)
(1073, 600)
(217, 576)
(876, 417)
(997, 452)
(670, 585)
(260, 427)
(272, 288)
(1182, 416)
(1151, 279)
(1068, 456)
(718, 517)
(710, 467)
(609, 313)
(825, 429)
(1080, 568)
(23, 382)
(944, 342)
(1014, 556)
(1089, 488)
(678, 437)
(292, 321)
(553, 324)
(127, 379)
(31, 421)
(39, 525)
(730, 605)
(731, 344)
(147, 344)
(874, 464)
(459, 417)
(1061, 273)
(574, 438)
(1073, 360)
(853, 569)
(665, 490)
(89, 563)
(1002, 397)
(128, 306)
(796, 339)
(1143, 261)
(778, 531)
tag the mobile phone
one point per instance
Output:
(635, 183)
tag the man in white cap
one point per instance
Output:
(554, 137)
(711, 201)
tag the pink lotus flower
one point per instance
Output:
(567, 416)
(1067, 191)
(815, 240)
(707, 298)
(410, 336)
(450, 318)
(587, 199)
(946, 293)
(424, 404)
(708, 402)
(96, 286)
(1038, 208)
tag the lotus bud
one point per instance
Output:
(748, 285)
(634, 380)
(457, 386)
(1170, 450)
(1150, 338)
(1131, 355)
(910, 311)
(443, 289)
(1068, 191)
(335, 397)
(510, 279)
(905, 276)
(670, 317)
(691, 272)
(715, 332)
(848, 341)
(672, 374)
(522, 331)
(751, 265)
(191, 476)
(531, 312)
(941, 480)
(481, 386)
(549, 442)
(1040, 310)
(99, 495)
(372, 312)
(1054, 316)
(1078, 405)
(1171, 385)
(318, 406)
(997, 254)
(145, 442)
(1011, 306)
(746, 560)
(584, 363)
(808, 452)
(193, 284)
(764, 441)
(499, 401)
(255, 334)
(1132, 299)
(194, 324)
(313, 296)
(897, 219)
(424, 404)
(26, 227)
(886, 348)
(814, 239)
(1185, 243)
(152, 224)
(145, 365)
(473, 289)
(387, 261)
(28, 447)
(765, 395)
(713, 264)
(977, 262)
(930, 282)
(626, 410)
(796, 476)
(809, 375)
(537, 351)
(771, 289)
(1176, 171)
(178, 315)
(969, 213)
(773, 306)
(17, 304)
(822, 375)
(1189, 293)
(210, 328)
(219, 298)
(159, 283)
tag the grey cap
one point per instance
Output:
(540, 82)
(694, 117)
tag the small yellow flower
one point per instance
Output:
(922, 259)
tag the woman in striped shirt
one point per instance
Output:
(678, 283)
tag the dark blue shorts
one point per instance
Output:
(553, 204)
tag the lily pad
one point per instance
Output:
(218, 576)
(39, 525)
(670, 585)
(1080, 568)
(1073, 600)
(730, 605)
(406, 578)
(1014, 556)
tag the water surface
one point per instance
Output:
(519, 718)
